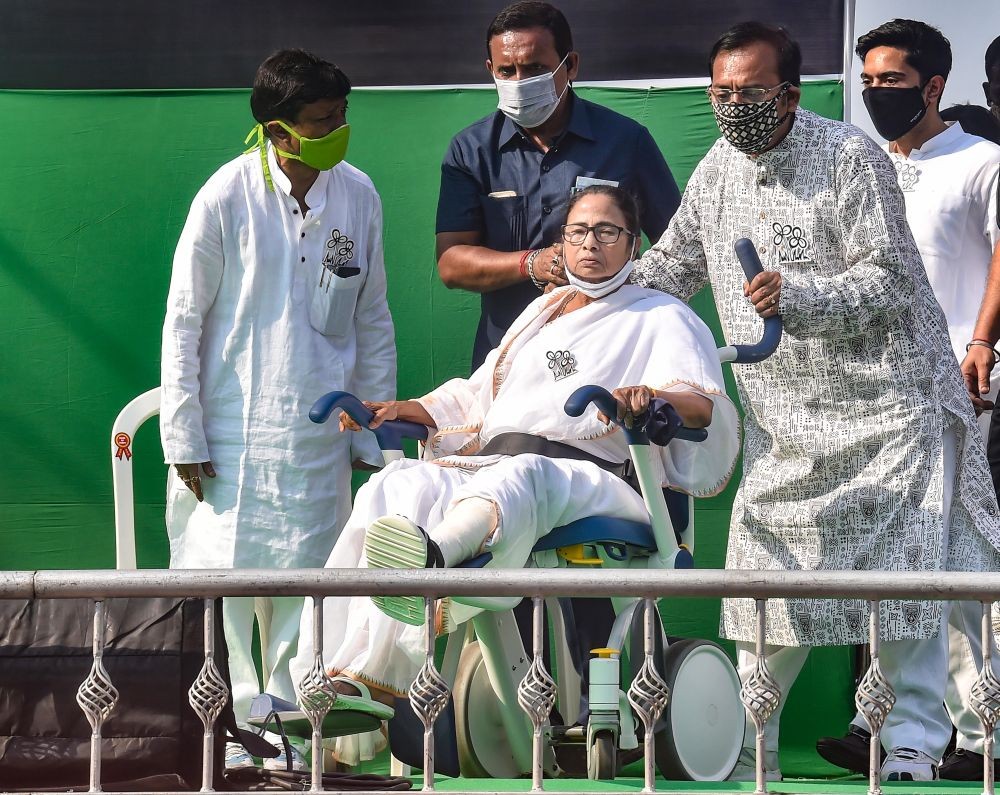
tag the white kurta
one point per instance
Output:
(844, 425)
(631, 337)
(252, 338)
(950, 188)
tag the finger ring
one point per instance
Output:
(773, 300)
(195, 479)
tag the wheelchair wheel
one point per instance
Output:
(602, 757)
(483, 748)
(703, 724)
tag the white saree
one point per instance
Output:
(631, 337)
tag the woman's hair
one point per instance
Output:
(623, 200)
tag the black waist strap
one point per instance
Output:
(518, 443)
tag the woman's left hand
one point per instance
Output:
(632, 402)
(764, 293)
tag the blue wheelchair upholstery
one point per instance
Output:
(615, 535)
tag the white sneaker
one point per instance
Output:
(746, 766)
(908, 764)
(237, 757)
(280, 762)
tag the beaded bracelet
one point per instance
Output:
(984, 344)
(530, 267)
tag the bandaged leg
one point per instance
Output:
(465, 528)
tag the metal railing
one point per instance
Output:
(98, 697)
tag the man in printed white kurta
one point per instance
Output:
(257, 328)
(630, 337)
(859, 426)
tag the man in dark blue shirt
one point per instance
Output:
(506, 179)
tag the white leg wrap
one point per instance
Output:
(464, 528)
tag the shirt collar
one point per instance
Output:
(315, 196)
(942, 140)
(579, 123)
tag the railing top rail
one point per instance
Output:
(981, 586)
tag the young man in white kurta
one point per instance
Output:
(253, 336)
(630, 337)
(949, 184)
(858, 425)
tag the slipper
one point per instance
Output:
(394, 542)
(349, 714)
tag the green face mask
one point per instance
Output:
(319, 153)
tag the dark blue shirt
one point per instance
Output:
(494, 156)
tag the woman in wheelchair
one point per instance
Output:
(504, 464)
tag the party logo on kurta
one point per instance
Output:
(339, 251)
(561, 363)
(791, 243)
(907, 174)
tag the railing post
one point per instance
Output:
(317, 694)
(874, 699)
(760, 694)
(537, 694)
(429, 694)
(648, 694)
(208, 695)
(985, 698)
(97, 696)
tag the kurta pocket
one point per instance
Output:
(331, 310)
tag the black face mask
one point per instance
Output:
(894, 111)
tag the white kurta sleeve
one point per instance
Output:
(676, 264)
(876, 285)
(375, 371)
(194, 284)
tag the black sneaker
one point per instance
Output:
(962, 765)
(850, 751)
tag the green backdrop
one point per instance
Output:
(93, 197)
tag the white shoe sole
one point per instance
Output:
(394, 542)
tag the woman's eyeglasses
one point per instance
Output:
(605, 233)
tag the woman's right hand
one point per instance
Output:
(383, 410)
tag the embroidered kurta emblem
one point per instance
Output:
(339, 251)
(791, 243)
(907, 174)
(561, 363)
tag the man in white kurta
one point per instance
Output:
(861, 449)
(257, 329)
(633, 336)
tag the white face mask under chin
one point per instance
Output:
(530, 102)
(600, 289)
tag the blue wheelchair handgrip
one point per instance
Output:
(749, 354)
(577, 403)
(389, 434)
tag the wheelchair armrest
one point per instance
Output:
(390, 434)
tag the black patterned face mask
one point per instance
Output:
(749, 126)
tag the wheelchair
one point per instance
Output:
(700, 733)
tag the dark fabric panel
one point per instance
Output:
(52, 44)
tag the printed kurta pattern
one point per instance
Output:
(843, 465)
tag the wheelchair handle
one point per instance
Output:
(750, 354)
(390, 434)
(577, 403)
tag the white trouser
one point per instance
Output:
(965, 660)
(278, 619)
(917, 670)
